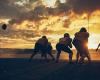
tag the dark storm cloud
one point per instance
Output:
(80, 6)
(61, 8)
(8, 10)
(17, 13)
(40, 12)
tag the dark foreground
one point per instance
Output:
(22, 69)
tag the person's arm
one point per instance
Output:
(88, 35)
(70, 43)
(98, 47)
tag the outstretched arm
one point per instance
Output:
(98, 47)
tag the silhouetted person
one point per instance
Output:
(64, 44)
(98, 47)
(4, 26)
(43, 46)
(78, 46)
(81, 46)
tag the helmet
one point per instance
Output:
(43, 36)
(66, 35)
(83, 29)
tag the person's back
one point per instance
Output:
(66, 41)
(42, 41)
(82, 36)
(62, 41)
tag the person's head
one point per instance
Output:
(83, 29)
(66, 35)
(44, 37)
(4, 26)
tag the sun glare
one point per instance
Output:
(51, 3)
(92, 45)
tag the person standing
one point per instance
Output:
(82, 45)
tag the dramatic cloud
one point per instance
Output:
(10, 9)
(19, 10)
(81, 6)
(50, 17)
(7, 10)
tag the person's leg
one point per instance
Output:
(44, 53)
(50, 53)
(76, 44)
(36, 49)
(34, 53)
(68, 50)
(85, 54)
(58, 48)
(77, 56)
(82, 56)
(70, 57)
(88, 56)
(82, 53)
(81, 59)
(42, 50)
(58, 55)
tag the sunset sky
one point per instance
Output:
(51, 18)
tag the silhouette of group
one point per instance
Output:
(80, 42)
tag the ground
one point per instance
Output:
(37, 69)
(16, 66)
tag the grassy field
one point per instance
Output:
(15, 65)
(25, 53)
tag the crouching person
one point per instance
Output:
(64, 44)
(44, 47)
